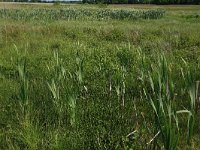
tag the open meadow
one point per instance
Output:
(80, 76)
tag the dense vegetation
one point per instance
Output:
(117, 83)
(120, 1)
(143, 1)
(79, 14)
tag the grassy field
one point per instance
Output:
(99, 77)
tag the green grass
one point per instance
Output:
(79, 14)
(82, 82)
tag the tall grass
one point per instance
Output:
(157, 90)
(192, 88)
(79, 14)
(123, 86)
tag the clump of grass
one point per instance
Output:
(192, 87)
(24, 84)
(162, 98)
(56, 85)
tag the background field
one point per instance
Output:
(100, 83)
